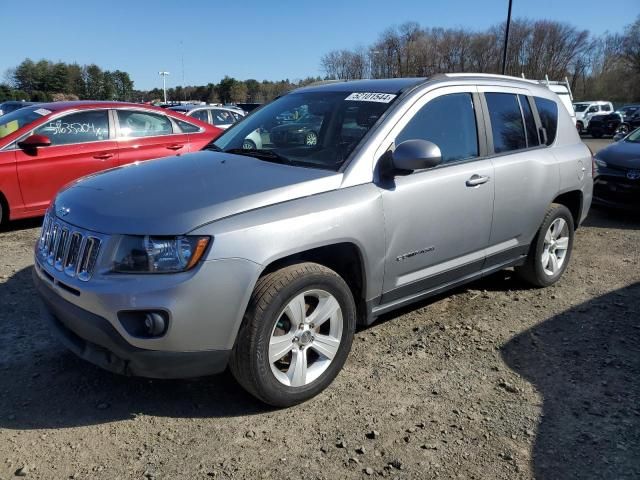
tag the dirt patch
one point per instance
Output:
(494, 380)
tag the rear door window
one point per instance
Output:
(222, 117)
(136, 123)
(506, 122)
(202, 115)
(186, 127)
(548, 112)
(80, 127)
(448, 121)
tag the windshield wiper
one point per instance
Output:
(262, 154)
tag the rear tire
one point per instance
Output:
(276, 337)
(550, 251)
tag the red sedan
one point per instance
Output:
(43, 147)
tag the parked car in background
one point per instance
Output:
(303, 131)
(46, 146)
(221, 117)
(617, 181)
(12, 105)
(266, 259)
(621, 122)
(586, 110)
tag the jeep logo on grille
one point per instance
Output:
(633, 174)
(62, 211)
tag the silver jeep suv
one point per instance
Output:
(265, 260)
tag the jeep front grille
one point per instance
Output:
(68, 249)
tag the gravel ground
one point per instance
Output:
(494, 380)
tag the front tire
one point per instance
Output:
(296, 334)
(550, 251)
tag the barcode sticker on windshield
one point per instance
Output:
(371, 97)
(42, 111)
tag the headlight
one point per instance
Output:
(600, 163)
(138, 254)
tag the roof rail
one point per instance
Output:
(488, 75)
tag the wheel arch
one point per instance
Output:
(345, 258)
(573, 200)
(5, 212)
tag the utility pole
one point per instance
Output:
(164, 84)
(506, 40)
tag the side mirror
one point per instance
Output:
(416, 155)
(35, 141)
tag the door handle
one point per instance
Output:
(175, 146)
(476, 180)
(103, 156)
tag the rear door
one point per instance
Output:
(81, 143)
(143, 135)
(525, 170)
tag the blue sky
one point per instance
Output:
(267, 39)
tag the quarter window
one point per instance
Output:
(448, 121)
(529, 122)
(135, 123)
(548, 112)
(186, 127)
(80, 127)
(506, 122)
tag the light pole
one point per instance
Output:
(506, 40)
(164, 84)
(371, 56)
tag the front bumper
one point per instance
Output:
(616, 191)
(94, 339)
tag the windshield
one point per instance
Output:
(634, 136)
(580, 107)
(314, 129)
(13, 121)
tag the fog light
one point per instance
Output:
(144, 323)
(154, 324)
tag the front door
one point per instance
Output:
(438, 220)
(80, 145)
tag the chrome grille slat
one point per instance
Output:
(68, 249)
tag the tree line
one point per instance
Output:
(605, 66)
(44, 80)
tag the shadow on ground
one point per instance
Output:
(42, 385)
(586, 364)
(603, 217)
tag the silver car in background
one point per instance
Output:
(265, 259)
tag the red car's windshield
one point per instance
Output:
(14, 121)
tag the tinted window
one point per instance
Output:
(186, 127)
(81, 127)
(606, 108)
(221, 117)
(134, 123)
(548, 112)
(529, 122)
(236, 116)
(506, 122)
(202, 115)
(448, 121)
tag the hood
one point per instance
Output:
(621, 154)
(174, 195)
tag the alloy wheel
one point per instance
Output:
(556, 244)
(305, 338)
